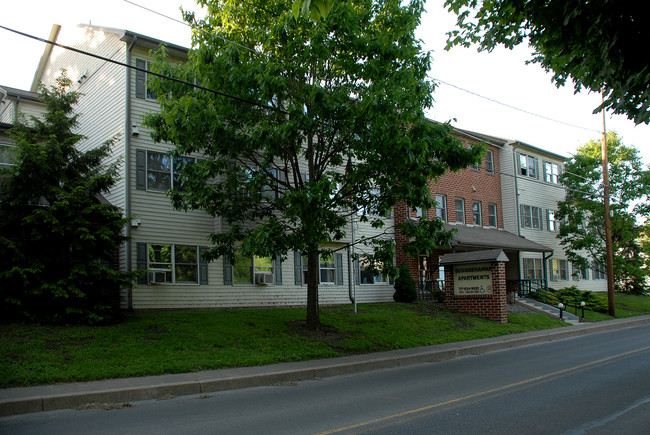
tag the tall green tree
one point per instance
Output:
(583, 231)
(57, 235)
(325, 120)
(593, 43)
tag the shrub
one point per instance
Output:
(57, 233)
(405, 286)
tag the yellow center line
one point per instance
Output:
(562, 372)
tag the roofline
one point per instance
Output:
(153, 43)
(16, 93)
(47, 51)
(518, 143)
(494, 140)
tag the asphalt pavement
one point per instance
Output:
(114, 391)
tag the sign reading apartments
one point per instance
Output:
(473, 279)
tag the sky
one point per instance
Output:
(491, 93)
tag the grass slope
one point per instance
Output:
(185, 341)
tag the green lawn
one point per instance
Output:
(626, 306)
(186, 341)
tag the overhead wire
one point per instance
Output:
(113, 61)
(223, 94)
(513, 107)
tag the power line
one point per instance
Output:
(433, 78)
(513, 107)
(153, 11)
(106, 59)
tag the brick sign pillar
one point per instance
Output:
(475, 283)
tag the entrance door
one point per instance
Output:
(424, 272)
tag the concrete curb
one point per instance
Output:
(74, 395)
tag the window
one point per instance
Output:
(252, 270)
(330, 269)
(489, 162)
(553, 223)
(579, 273)
(173, 263)
(559, 270)
(532, 268)
(367, 277)
(598, 272)
(460, 210)
(7, 155)
(551, 172)
(327, 269)
(476, 212)
(441, 207)
(492, 215)
(531, 217)
(163, 171)
(527, 166)
(141, 79)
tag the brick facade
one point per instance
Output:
(470, 184)
(493, 307)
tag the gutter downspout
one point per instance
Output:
(352, 288)
(518, 223)
(545, 268)
(127, 169)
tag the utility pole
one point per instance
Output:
(608, 224)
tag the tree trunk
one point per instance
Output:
(313, 270)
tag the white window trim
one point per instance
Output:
(442, 206)
(480, 213)
(553, 178)
(464, 220)
(8, 164)
(252, 271)
(172, 264)
(523, 208)
(172, 171)
(496, 215)
(489, 169)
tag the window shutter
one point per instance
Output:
(339, 268)
(277, 270)
(140, 169)
(282, 178)
(357, 272)
(141, 262)
(140, 79)
(297, 267)
(203, 266)
(227, 271)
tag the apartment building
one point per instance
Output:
(471, 204)
(507, 202)
(15, 103)
(531, 190)
(168, 243)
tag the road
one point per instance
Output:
(592, 384)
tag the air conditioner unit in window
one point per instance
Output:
(159, 276)
(263, 278)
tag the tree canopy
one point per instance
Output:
(57, 235)
(582, 231)
(593, 43)
(324, 121)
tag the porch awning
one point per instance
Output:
(492, 238)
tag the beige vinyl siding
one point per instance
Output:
(508, 191)
(12, 109)
(102, 105)
(539, 193)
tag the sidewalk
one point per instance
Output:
(73, 395)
